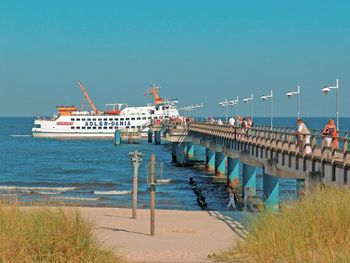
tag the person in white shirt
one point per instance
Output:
(232, 201)
(303, 132)
(220, 122)
(232, 121)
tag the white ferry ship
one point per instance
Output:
(69, 122)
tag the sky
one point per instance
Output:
(197, 51)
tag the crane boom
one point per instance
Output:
(86, 95)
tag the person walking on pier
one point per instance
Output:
(232, 121)
(303, 134)
(330, 134)
(249, 122)
(220, 122)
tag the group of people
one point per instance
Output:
(329, 134)
(235, 121)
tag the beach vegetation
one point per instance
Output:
(314, 229)
(44, 234)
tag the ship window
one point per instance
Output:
(72, 119)
(78, 128)
(115, 127)
(100, 119)
(139, 118)
(78, 119)
(127, 127)
(144, 118)
(139, 127)
(72, 128)
(116, 119)
(94, 128)
(104, 127)
(94, 119)
(105, 119)
(89, 128)
(99, 128)
(132, 119)
(155, 118)
(37, 125)
(110, 127)
(88, 119)
(127, 119)
(111, 119)
(149, 118)
(143, 113)
(83, 128)
(83, 119)
(121, 119)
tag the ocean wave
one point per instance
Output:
(164, 181)
(36, 188)
(114, 192)
(43, 192)
(21, 135)
(69, 198)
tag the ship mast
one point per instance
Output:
(87, 97)
(154, 92)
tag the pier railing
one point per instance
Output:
(286, 140)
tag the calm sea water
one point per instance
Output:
(97, 173)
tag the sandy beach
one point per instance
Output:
(181, 236)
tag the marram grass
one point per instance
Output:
(48, 235)
(315, 229)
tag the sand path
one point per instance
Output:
(181, 236)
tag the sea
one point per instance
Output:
(98, 173)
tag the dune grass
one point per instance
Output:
(45, 234)
(315, 229)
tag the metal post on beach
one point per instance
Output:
(135, 159)
(153, 193)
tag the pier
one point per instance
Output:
(276, 150)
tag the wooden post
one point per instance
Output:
(153, 193)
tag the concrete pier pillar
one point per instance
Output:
(233, 171)
(210, 160)
(220, 164)
(181, 154)
(157, 137)
(271, 192)
(249, 179)
(150, 136)
(117, 137)
(173, 151)
(190, 150)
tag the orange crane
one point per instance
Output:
(154, 92)
(86, 96)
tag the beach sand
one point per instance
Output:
(181, 236)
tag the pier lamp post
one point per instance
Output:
(251, 98)
(224, 104)
(135, 159)
(198, 106)
(235, 103)
(201, 106)
(266, 97)
(328, 89)
(289, 94)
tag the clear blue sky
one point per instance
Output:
(198, 51)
